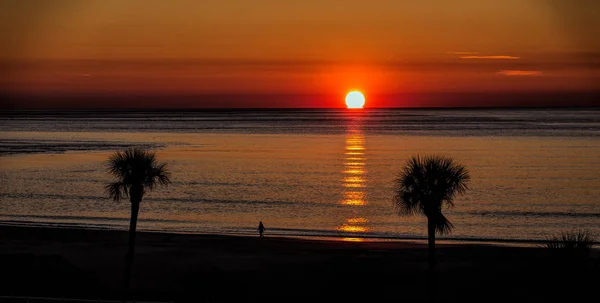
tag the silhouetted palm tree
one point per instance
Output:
(424, 186)
(137, 171)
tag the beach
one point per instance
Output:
(85, 263)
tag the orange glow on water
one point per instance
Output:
(354, 202)
(354, 197)
(354, 153)
(354, 185)
(354, 160)
(353, 239)
(353, 228)
(354, 179)
(355, 141)
(354, 163)
(357, 220)
(354, 171)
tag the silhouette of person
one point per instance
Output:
(261, 229)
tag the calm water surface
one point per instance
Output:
(306, 172)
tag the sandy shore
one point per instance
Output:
(203, 268)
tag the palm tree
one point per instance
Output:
(424, 186)
(137, 172)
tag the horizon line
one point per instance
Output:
(298, 108)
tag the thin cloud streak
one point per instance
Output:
(491, 57)
(521, 73)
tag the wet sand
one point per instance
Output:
(208, 268)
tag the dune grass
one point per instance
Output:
(576, 241)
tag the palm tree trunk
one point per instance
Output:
(431, 279)
(129, 258)
(431, 242)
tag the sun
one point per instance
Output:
(355, 99)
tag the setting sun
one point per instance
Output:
(355, 99)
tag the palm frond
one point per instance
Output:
(448, 178)
(117, 165)
(117, 190)
(409, 188)
(164, 176)
(138, 169)
(427, 183)
(407, 204)
(442, 225)
(157, 175)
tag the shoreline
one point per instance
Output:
(311, 237)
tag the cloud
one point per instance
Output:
(490, 57)
(477, 55)
(522, 73)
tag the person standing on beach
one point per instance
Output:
(261, 229)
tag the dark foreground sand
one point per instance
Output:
(200, 268)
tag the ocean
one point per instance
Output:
(315, 173)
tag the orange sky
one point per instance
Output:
(324, 47)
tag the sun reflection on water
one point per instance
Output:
(354, 198)
(358, 220)
(355, 163)
(353, 228)
(354, 168)
(353, 239)
(353, 171)
(354, 181)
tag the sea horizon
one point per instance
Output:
(340, 108)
